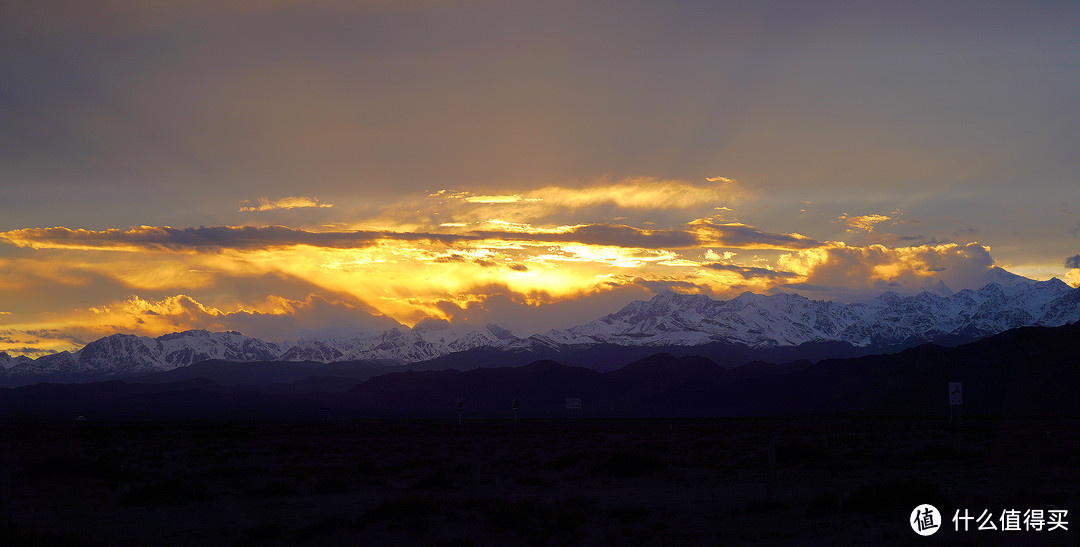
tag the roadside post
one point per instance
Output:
(572, 403)
(956, 397)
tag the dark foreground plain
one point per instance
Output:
(533, 482)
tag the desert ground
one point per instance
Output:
(532, 482)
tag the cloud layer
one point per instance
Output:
(697, 233)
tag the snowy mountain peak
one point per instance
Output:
(428, 339)
(431, 324)
(7, 361)
(940, 289)
(1006, 278)
(888, 297)
(500, 333)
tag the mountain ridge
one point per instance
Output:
(1024, 371)
(667, 320)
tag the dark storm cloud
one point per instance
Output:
(1073, 261)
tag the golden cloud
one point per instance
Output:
(167, 238)
(866, 223)
(857, 270)
(643, 193)
(274, 317)
(736, 235)
(498, 199)
(296, 202)
(638, 194)
(1072, 277)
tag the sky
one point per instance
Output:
(291, 169)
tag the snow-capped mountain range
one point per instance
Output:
(668, 319)
(789, 319)
(126, 354)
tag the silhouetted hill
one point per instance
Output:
(264, 373)
(542, 384)
(1031, 370)
(609, 357)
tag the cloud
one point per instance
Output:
(641, 194)
(498, 199)
(273, 318)
(750, 272)
(35, 342)
(283, 203)
(1072, 277)
(849, 272)
(210, 238)
(626, 236)
(698, 232)
(27, 351)
(863, 222)
(742, 236)
(51, 333)
(539, 311)
(1072, 262)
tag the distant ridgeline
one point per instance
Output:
(1025, 371)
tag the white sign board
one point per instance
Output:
(956, 394)
(573, 402)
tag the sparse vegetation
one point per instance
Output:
(894, 496)
(626, 463)
(531, 483)
(561, 523)
(177, 490)
(761, 505)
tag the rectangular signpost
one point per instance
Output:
(572, 403)
(956, 397)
